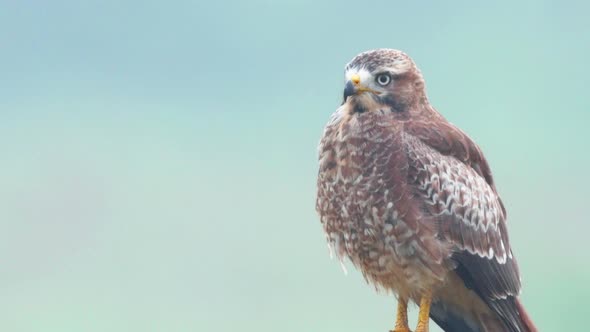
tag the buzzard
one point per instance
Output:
(410, 199)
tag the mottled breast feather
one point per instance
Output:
(365, 203)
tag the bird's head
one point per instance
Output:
(383, 79)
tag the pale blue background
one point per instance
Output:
(158, 159)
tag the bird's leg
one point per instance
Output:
(401, 322)
(424, 314)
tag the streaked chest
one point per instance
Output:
(357, 182)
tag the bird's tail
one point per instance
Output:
(467, 311)
(525, 319)
(512, 313)
(454, 319)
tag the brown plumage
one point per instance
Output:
(410, 199)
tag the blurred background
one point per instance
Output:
(159, 158)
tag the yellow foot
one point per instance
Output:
(401, 329)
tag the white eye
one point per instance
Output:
(383, 79)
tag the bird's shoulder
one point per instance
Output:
(449, 140)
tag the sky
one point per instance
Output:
(159, 158)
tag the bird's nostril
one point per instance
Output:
(356, 79)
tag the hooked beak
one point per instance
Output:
(349, 89)
(353, 87)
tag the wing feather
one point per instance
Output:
(452, 176)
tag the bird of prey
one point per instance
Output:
(410, 200)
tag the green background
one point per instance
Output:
(158, 160)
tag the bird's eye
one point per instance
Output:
(383, 79)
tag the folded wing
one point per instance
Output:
(451, 176)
